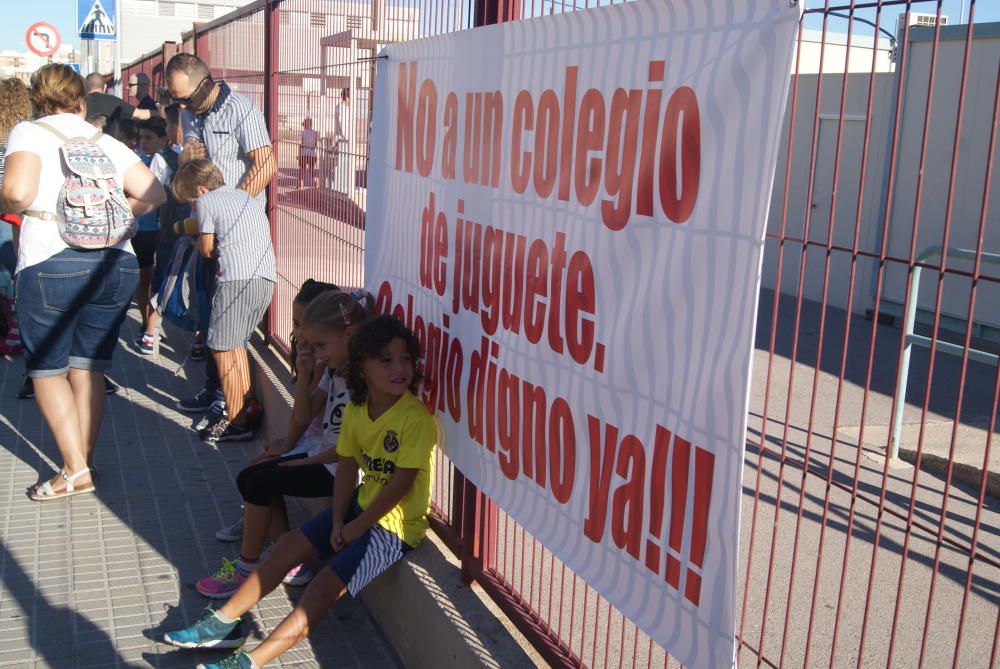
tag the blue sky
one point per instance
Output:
(19, 14)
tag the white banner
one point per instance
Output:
(570, 212)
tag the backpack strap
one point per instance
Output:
(45, 126)
(43, 215)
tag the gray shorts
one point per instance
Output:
(237, 309)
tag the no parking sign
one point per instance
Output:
(43, 39)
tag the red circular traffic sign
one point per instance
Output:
(43, 38)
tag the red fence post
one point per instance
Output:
(272, 34)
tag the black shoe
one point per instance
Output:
(200, 402)
(223, 430)
(110, 388)
(197, 352)
(27, 390)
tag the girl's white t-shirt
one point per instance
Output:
(40, 239)
(324, 431)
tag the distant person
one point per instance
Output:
(307, 152)
(233, 230)
(343, 134)
(71, 302)
(112, 108)
(227, 129)
(138, 87)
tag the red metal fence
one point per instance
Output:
(849, 558)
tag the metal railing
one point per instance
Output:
(910, 339)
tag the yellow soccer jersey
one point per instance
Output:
(404, 436)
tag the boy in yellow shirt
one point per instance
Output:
(390, 436)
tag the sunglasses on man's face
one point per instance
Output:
(186, 101)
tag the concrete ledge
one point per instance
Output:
(431, 619)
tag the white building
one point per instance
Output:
(21, 64)
(152, 22)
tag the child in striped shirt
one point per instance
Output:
(232, 229)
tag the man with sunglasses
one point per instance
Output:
(227, 129)
(221, 125)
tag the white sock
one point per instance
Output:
(228, 621)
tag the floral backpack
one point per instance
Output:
(92, 211)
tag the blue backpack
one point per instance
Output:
(183, 298)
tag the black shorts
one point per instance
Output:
(144, 245)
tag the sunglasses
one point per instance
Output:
(186, 101)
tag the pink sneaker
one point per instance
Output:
(223, 582)
(299, 575)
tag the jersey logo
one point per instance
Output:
(391, 442)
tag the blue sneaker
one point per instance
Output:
(239, 660)
(208, 632)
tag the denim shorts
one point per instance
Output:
(70, 308)
(357, 564)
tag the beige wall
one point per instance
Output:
(811, 202)
(814, 200)
(969, 178)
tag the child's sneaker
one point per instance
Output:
(232, 533)
(146, 343)
(197, 404)
(298, 576)
(223, 582)
(208, 632)
(239, 660)
(222, 430)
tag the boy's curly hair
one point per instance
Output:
(368, 341)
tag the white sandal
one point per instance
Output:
(43, 492)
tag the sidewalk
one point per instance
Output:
(91, 581)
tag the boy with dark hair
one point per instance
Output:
(152, 142)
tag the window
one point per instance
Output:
(317, 20)
(206, 12)
(166, 8)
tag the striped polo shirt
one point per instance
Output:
(230, 130)
(242, 234)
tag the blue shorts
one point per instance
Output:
(362, 560)
(70, 308)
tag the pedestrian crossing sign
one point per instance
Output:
(97, 19)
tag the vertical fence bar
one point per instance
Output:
(272, 41)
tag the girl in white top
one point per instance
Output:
(71, 303)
